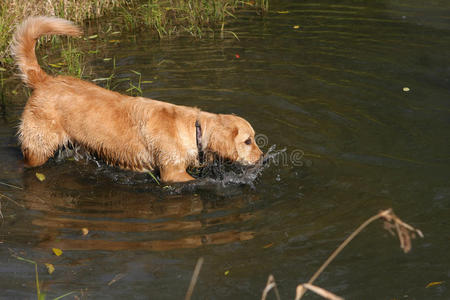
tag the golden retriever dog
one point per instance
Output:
(134, 133)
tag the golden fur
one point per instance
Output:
(131, 132)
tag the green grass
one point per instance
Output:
(71, 59)
(166, 18)
(13, 12)
(39, 294)
(175, 17)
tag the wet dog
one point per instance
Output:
(134, 133)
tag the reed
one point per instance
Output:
(13, 12)
(392, 223)
(39, 294)
(164, 17)
(175, 17)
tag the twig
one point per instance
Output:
(271, 284)
(194, 278)
(10, 199)
(10, 185)
(301, 289)
(116, 278)
(391, 221)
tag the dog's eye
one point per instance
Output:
(248, 141)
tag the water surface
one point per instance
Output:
(331, 92)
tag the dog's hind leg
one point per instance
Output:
(39, 137)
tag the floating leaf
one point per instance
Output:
(268, 245)
(40, 177)
(434, 283)
(107, 58)
(57, 251)
(296, 27)
(406, 89)
(283, 11)
(50, 268)
(226, 272)
(84, 231)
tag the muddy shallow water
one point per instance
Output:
(331, 92)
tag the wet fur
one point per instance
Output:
(132, 132)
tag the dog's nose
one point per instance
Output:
(260, 154)
(259, 157)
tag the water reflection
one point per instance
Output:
(118, 219)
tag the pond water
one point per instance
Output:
(333, 92)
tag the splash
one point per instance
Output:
(216, 175)
(225, 172)
(222, 174)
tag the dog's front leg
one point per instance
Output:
(175, 173)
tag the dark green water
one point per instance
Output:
(331, 93)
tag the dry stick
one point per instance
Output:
(10, 199)
(271, 284)
(10, 185)
(342, 246)
(194, 278)
(389, 216)
(318, 290)
(117, 277)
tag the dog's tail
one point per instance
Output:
(24, 42)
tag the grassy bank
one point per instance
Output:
(164, 17)
(13, 12)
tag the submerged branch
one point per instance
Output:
(10, 199)
(194, 278)
(11, 185)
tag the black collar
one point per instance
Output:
(198, 138)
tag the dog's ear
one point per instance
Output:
(222, 142)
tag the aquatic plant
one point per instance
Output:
(174, 17)
(165, 17)
(39, 294)
(13, 12)
(404, 232)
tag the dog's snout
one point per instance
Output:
(258, 156)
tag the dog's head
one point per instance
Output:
(233, 138)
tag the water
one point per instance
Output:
(331, 93)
